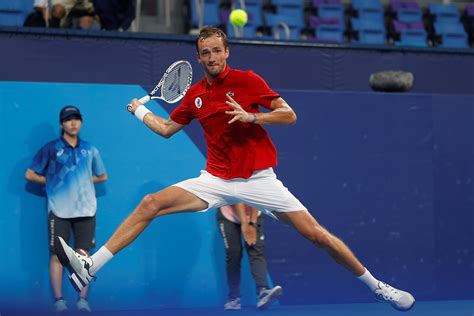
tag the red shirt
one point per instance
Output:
(233, 150)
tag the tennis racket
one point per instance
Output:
(173, 85)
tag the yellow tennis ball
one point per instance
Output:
(238, 17)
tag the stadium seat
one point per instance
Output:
(437, 9)
(441, 27)
(368, 9)
(295, 3)
(317, 3)
(332, 10)
(315, 21)
(248, 31)
(254, 11)
(399, 26)
(361, 24)
(295, 21)
(415, 38)
(454, 40)
(287, 12)
(330, 33)
(369, 31)
(396, 5)
(447, 13)
(13, 13)
(409, 15)
(366, 4)
(12, 18)
(372, 37)
(211, 14)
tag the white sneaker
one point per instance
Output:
(399, 299)
(83, 305)
(77, 265)
(267, 297)
(60, 306)
(233, 304)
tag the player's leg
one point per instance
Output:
(307, 226)
(168, 201)
(265, 192)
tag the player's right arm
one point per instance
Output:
(32, 176)
(159, 125)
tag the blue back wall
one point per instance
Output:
(390, 174)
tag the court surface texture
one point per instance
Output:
(422, 308)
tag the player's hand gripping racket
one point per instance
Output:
(173, 85)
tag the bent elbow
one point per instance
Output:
(293, 118)
(166, 135)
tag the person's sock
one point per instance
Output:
(369, 280)
(101, 257)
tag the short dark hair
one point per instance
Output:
(209, 31)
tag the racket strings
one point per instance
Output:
(177, 82)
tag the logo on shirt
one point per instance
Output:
(198, 102)
(230, 94)
(60, 152)
(83, 152)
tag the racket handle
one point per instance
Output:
(145, 99)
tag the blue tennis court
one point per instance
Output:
(427, 308)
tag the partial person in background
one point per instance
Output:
(69, 167)
(62, 14)
(41, 15)
(79, 14)
(237, 221)
(115, 15)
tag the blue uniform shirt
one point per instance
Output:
(68, 171)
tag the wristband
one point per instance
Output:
(141, 111)
(254, 119)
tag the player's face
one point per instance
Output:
(72, 127)
(212, 55)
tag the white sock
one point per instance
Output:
(369, 280)
(101, 257)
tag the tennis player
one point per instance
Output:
(239, 167)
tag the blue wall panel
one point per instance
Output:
(391, 174)
(68, 56)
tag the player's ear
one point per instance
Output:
(227, 52)
(198, 57)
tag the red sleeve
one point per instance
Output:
(263, 94)
(181, 114)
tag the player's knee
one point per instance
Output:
(149, 206)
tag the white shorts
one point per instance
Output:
(262, 190)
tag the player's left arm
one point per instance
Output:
(281, 113)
